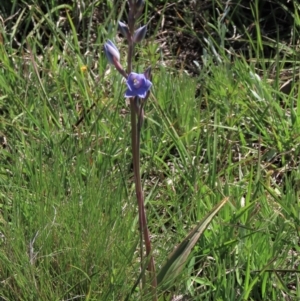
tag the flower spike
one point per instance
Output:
(138, 91)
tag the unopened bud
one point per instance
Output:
(147, 73)
(140, 34)
(111, 51)
(139, 4)
(123, 28)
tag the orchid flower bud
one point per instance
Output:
(112, 53)
(113, 56)
(147, 73)
(123, 28)
(138, 8)
(139, 4)
(140, 34)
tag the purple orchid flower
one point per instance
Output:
(138, 85)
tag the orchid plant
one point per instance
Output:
(138, 91)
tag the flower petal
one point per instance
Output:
(129, 93)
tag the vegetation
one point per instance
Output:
(223, 120)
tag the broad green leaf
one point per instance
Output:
(177, 259)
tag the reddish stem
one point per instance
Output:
(135, 141)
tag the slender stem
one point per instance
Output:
(149, 255)
(131, 22)
(136, 125)
(134, 136)
(136, 159)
